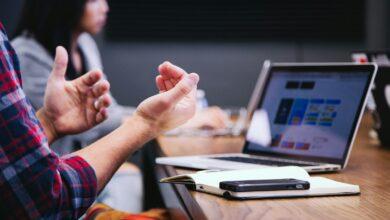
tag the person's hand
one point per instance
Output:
(209, 118)
(73, 106)
(176, 102)
(172, 107)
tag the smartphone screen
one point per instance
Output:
(264, 185)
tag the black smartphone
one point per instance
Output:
(264, 185)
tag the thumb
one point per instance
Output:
(183, 88)
(60, 62)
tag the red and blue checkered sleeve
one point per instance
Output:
(34, 182)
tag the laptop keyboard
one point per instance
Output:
(263, 161)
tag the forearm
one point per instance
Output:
(109, 153)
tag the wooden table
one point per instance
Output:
(369, 167)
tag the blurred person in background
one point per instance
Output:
(43, 26)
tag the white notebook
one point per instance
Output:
(208, 181)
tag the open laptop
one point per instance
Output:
(306, 115)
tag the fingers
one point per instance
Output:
(168, 84)
(60, 62)
(100, 88)
(170, 76)
(101, 106)
(165, 84)
(101, 115)
(103, 102)
(169, 71)
(160, 84)
(90, 78)
(184, 87)
(100, 100)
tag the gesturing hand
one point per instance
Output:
(73, 106)
(176, 102)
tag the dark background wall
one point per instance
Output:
(228, 69)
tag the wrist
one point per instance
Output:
(146, 125)
(47, 125)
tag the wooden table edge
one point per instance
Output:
(190, 205)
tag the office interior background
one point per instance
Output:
(226, 41)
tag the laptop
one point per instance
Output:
(305, 115)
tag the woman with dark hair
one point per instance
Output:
(46, 24)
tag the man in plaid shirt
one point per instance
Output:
(37, 184)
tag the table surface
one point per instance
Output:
(368, 167)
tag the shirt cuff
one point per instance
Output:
(81, 183)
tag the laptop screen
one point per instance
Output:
(308, 114)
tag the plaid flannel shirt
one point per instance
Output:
(34, 182)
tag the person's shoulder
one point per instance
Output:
(86, 41)
(91, 51)
(85, 37)
(26, 46)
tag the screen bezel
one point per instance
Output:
(347, 68)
